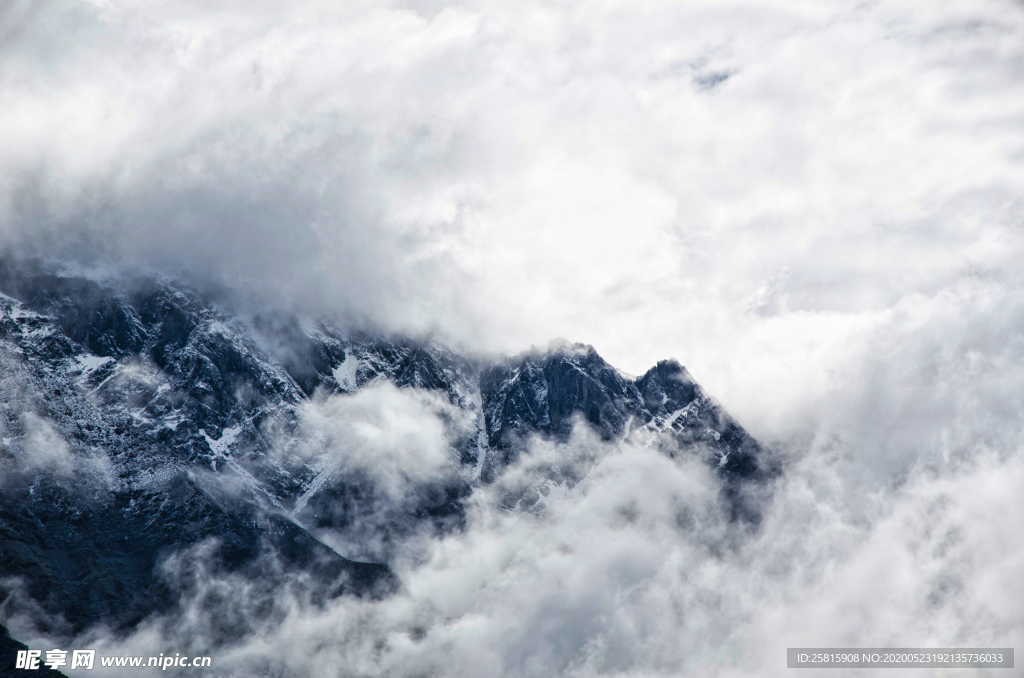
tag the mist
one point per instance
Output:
(590, 558)
(815, 206)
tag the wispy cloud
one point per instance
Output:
(829, 237)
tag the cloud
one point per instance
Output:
(42, 452)
(829, 238)
(43, 448)
(379, 455)
(627, 567)
(33, 449)
(504, 177)
(398, 438)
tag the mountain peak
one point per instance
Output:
(670, 367)
(169, 384)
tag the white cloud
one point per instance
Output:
(379, 454)
(37, 450)
(626, 567)
(397, 438)
(829, 238)
(507, 176)
(43, 448)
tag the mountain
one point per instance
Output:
(140, 418)
(9, 649)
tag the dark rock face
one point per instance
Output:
(9, 648)
(90, 560)
(666, 388)
(543, 393)
(154, 410)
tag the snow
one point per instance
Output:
(315, 486)
(252, 482)
(477, 401)
(218, 327)
(157, 476)
(21, 313)
(481, 448)
(16, 311)
(220, 446)
(103, 383)
(90, 363)
(345, 373)
(171, 421)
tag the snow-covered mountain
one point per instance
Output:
(139, 418)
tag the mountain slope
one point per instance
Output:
(140, 418)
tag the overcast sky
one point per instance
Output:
(816, 206)
(750, 187)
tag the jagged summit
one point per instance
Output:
(154, 396)
(667, 387)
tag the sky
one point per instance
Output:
(741, 186)
(815, 206)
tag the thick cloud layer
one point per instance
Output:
(815, 205)
(613, 560)
(741, 186)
